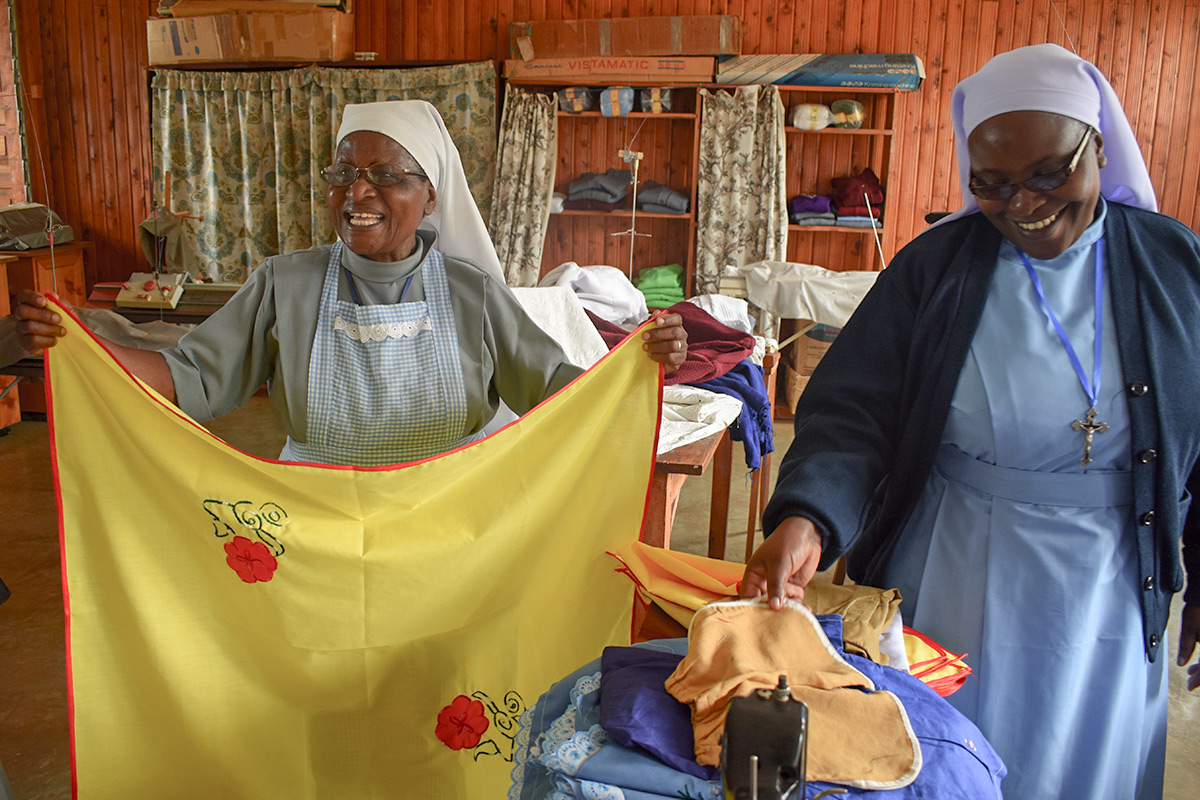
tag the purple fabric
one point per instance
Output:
(637, 711)
(809, 204)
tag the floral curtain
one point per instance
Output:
(245, 149)
(524, 183)
(741, 208)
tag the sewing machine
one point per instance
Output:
(148, 290)
(763, 753)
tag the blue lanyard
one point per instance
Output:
(1092, 389)
(354, 287)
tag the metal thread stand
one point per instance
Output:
(632, 157)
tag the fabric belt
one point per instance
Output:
(1081, 490)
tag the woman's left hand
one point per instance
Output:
(667, 343)
(1189, 635)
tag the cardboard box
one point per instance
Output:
(806, 353)
(849, 70)
(305, 37)
(710, 35)
(612, 70)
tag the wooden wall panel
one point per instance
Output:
(12, 175)
(86, 70)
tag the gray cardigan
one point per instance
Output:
(870, 421)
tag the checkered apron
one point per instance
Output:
(385, 384)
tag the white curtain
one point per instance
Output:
(741, 208)
(524, 183)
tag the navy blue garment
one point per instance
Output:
(4, 593)
(631, 692)
(753, 426)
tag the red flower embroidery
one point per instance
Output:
(252, 561)
(462, 723)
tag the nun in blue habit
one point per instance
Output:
(1006, 431)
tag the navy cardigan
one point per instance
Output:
(869, 423)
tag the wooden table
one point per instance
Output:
(671, 469)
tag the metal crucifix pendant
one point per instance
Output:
(1090, 427)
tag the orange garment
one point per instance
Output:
(858, 738)
(681, 583)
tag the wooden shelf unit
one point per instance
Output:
(590, 142)
(816, 157)
(670, 142)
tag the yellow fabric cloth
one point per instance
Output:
(243, 628)
(682, 583)
(734, 648)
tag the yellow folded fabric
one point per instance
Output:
(246, 628)
(858, 738)
(681, 583)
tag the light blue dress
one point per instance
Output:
(1031, 569)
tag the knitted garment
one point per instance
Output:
(849, 190)
(814, 203)
(610, 186)
(658, 195)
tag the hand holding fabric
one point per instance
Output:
(38, 327)
(785, 562)
(1189, 635)
(667, 344)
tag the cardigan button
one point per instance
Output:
(1147, 518)
(1137, 388)
(1146, 456)
(1148, 584)
(1153, 641)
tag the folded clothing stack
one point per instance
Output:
(811, 209)
(607, 189)
(658, 199)
(662, 286)
(857, 198)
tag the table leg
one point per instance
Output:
(664, 496)
(718, 514)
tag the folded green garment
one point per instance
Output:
(669, 276)
(661, 299)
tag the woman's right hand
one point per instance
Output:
(37, 326)
(785, 562)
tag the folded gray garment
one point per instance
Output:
(812, 218)
(598, 195)
(656, 194)
(856, 222)
(655, 208)
(610, 187)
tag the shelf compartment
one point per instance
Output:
(634, 114)
(830, 229)
(842, 131)
(618, 212)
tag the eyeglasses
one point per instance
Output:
(1038, 184)
(378, 174)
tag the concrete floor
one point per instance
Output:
(34, 746)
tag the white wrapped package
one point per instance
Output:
(805, 291)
